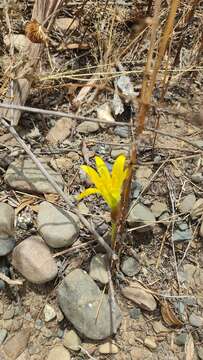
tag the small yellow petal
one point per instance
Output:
(118, 172)
(94, 177)
(87, 192)
(104, 173)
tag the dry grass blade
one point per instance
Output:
(9, 281)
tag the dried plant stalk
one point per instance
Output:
(19, 87)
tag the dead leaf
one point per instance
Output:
(24, 203)
(189, 348)
(52, 198)
(64, 46)
(169, 316)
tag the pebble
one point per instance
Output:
(39, 324)
(25, 176)
(122, 131)
(17, 344)
(140, 215)
(137, 188)
(158, 208)
(143, 175)
(49, 313)
(181, 339)
(9, 313)
(130, 266)
(64, 23)
(140, 297)
(187, 203)
(196, 320)
(57, 227)
(7, 240)
(79, 298)
(135, 313)
(197, 178)
(72, 341)
(98, 269)
(60, 131)
(87, 127)
(117, 104)
(108, 348)
(119, 151)
(104, 114)
(159, 327)
(20, 41)
(59, 352)
(183, 233)
(33, 259)
(197, 209)
(3, 335)
(150, 342)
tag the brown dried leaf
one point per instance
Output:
(169, 316)
(24, 203)
(189, 348)
(53, 198)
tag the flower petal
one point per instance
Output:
(88, 192)
(94, 177)
(104, 173)
(118, 173)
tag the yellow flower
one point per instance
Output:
(109, 186)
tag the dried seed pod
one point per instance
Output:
(35, 32)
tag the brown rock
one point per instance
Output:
(33, 259)
(60, 131)
(140, 297)
(16, 344)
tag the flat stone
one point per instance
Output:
(182, 235)
(64, 23)
(181, 339)
(158, 208)
(17, 344)
(87, 127)
(3, 335)
(140, 297)
(104, 114)
(9, 313)
(59, 228)
(98, 269)
(143, 174)
(130, 266)
(60, 131)
(140, 215)
(122, 131)
(108, 348)
(187, 203)
(24, 175)
(72, 341)
(49, 313)
(197, 209)
(196, 320)
(20, 41)
(7, 240)
(119, 151)
(150, 342)
(79, 298)
(197, 178)
(59, 352)
(33, 259)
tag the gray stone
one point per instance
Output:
(9, 313)
(98, 269)
(140, 297)
(108, 348)
(158, 208)
(135, 313)
(15, 345)
(122, 131)
(143, 175)
(3, 335)
(104, 114)
(33, 259)
(60, 131)
(141, 216)
(119, 151)
(87, 127)
(187, 203)
(197, 178)
(137, 187)
(20, 42)
(182, 235)
(59, 352)
(181, 339)
(79, 298)
(72, 341)
(7, 240)
(196, 320)
(130, 266)
(197, 209)
(164, 218)
(58, 228)
(24, 175)
(39, 324)
(49, 313)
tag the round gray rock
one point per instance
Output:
(7, 240)
(130, 266)
(58, 228)
(33, 259)
(80, 298)
(98, 269)
(142, 217)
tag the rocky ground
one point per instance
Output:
(54, 280)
